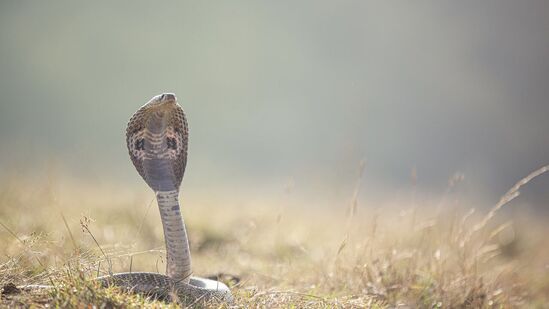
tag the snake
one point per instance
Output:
(157, 140)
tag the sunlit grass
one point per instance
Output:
(62, 234)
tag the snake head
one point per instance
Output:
(156, 137)
(161, 100)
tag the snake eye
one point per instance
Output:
(172, 143)
(140, 144)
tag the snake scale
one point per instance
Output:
(157, 136)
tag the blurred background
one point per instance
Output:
(285, 97)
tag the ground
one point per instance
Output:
(271, 255)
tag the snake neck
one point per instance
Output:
(178, 254)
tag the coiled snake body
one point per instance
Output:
(156, 137)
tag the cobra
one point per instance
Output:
(157, 138)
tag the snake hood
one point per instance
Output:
(157, 138)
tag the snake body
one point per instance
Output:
(156, 137)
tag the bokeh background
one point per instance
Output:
(285, 96)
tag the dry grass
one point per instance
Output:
(62, 234)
